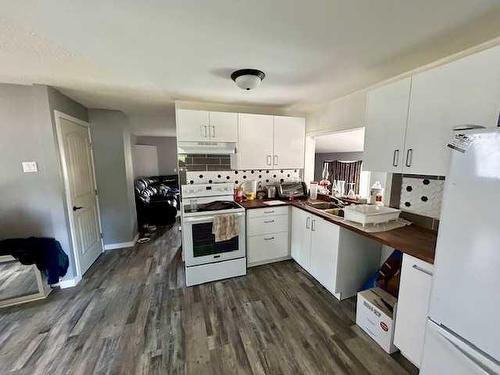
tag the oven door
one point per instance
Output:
(199, 243)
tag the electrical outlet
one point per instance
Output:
(30, 167)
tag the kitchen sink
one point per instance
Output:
(335, 211)
(322, 205)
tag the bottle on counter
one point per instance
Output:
(377, 194)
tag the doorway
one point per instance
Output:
(80, 189)
(338, 156)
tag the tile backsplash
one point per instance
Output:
(238, 176)
(422, 195)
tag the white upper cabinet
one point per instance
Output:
(410, 122)
(289, 139)
(255, 141)
(192, 125)
(270, 142)
(386, 117)
(223, 127)
(463, 92)
(196, 126)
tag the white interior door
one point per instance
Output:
(145, 161)
(78, 168)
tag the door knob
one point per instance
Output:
(75, 208)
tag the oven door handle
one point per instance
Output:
(206, 218)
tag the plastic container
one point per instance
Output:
(370, 214)
(249, 186)
(313, 190)
(377, 194)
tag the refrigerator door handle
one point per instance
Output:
(489, 366)
(482, 366)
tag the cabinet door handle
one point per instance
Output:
(268, 221)
(269, 238)
(395, 158)
(422, 270)
(313, 227)
(409, 157)
(213, 133)
(308, 222)
(205, 134)
(269, 160)
(275, 160)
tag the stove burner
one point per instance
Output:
(214, 206)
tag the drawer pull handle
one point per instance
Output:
(269, 238)
(422, 270)
(269, 212)
(269, 221)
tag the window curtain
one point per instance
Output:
(348, 171)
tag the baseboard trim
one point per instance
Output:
(70, 283)
(121, 245)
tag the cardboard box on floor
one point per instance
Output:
(376, 317)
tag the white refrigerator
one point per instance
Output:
(463, 330)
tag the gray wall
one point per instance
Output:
(33, 204)
(113, 163)
(167, 152)
(344, 156)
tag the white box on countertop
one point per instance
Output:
(376, 317)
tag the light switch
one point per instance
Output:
(30, 167)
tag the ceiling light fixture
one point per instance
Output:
(248, 79)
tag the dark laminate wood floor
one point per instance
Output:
(133, 315)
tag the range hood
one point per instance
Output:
(214, 148)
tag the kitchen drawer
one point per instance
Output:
(267, 248)
(259, 212)
(267, 224)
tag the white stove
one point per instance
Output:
(205, 259)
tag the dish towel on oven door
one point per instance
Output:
(225, 227)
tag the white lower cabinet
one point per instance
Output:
(338, 258)
(301, 237)
(324, 252)
(267, 235)
(413, 305)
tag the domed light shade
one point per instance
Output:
(248, 79)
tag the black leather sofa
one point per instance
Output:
(157, 200)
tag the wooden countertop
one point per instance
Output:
(259, 203)
(412, 239)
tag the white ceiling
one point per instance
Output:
(344, 141)
(141, 55)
